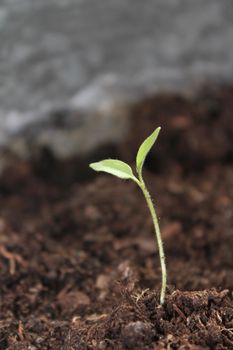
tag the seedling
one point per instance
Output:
(124, 171)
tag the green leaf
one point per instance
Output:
(145, 148)
(114, 167)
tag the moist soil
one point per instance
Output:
(79, 265)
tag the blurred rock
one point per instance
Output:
(65, 133)
(68, 67)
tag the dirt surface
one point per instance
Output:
(79, 267)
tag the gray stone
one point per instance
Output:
(68, 66)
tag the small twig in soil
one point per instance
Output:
(20, 331)
(139, 296)
(180, 313)
(13, 258)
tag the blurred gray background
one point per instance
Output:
(87, 55)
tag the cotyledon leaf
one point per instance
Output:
(145, 148)
(114, 167)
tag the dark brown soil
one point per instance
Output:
(79, 267)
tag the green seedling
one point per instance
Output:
(124, 171)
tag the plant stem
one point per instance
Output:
(158, 238)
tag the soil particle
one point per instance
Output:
(137, 334)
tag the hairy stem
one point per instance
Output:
(158, 238)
